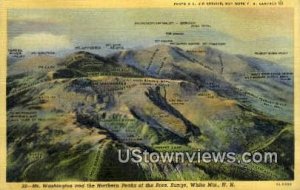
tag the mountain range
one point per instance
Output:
(67, 117)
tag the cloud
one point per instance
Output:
(40, 42)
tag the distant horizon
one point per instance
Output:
(288, 64)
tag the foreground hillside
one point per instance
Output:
(67, 122)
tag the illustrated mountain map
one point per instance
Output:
(83, 85)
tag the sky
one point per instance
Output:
(244, 30)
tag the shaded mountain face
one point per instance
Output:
(69, 122)
(245, 79)
(83, 64)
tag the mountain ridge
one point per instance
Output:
(174, 100)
